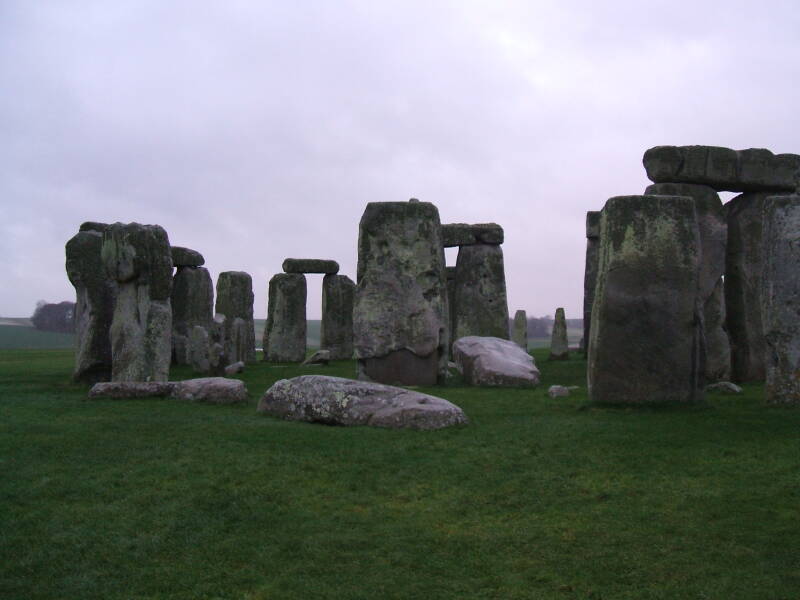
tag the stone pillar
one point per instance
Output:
(192, 304)
(285, 331)
(235, 300)
(559, 344)
(336, 329)
(450, 275)
(519, 333)
(480, 296)
(94, 305)
(400, 315)
(713, 237)
(780, 298)
(138, 257)
(646, 337)
(590, 272)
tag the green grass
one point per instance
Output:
(536, 498)
(14, 337)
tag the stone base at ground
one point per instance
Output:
(491, 361)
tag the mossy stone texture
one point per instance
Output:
(285, 331)
(590, 271)
(519, 329)
(559, 344)
(336, 329)
(310, 265)
(481, 305)
(464, 234)
(235, 300)
(192, 304)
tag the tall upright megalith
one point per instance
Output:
(559, 343)
(780, 297)
(336, 329)
(138, 258)
(235, 300)
(480, 295)
(590, 271)
(400, 314)
(192, 300)
(519, 329)
(285, 331)
(645, 345)
(95, 295)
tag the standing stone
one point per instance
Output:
(781, 298)
(480, 297)
(94, 307)
(646, 338)
(198, 350)
(559, 345)
(590, 272)
(713, 237)
(235, 300)
(285, 331)
(192, 304)
(519, 334)
(336, 329)
(138, 257)
(218, 357)
(400, 314)
(743, 271)
(450, 276)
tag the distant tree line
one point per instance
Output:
(54, 317)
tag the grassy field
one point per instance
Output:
(14, 337)
(535, 498)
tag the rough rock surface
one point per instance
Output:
(400, 313)
(743, 271)
(491, 361)
(95, 295)
(337, 401)
(463, 234)
(234, 368)
(197, 350)
(480, 296)
(590, 271)
(450, 278)
(519, 331)
(235, 300)
(192, 304)
(751, 170)
(320, 357)
(723, 387)
(713, 229)
(336, 329)
(559, 344)
(645, 345)
(558, 391)
(310, 265)
(138, 258)
(213, 390)
(186, 257)
(780, 298)
(285, 331)
(131, 389)
(93, 226)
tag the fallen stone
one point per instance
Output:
(559, 344)
(723, 387)
(186, 257)
(131, 389)
(558, 391)
(213, 390)
(519, 330)
(234, 368)
(310, 265)
(338, 401)
(285, 331)
(463, 234)
(320, 357)
(491, 361)
(480, 292)
(336, 327)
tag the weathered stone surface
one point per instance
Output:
(481, 305)
(337, 401)
(558, 391)
(235, 300)
(131, 389)
(723, 387)
(713, 229)
(780, 297)
(401, 304)
(218, 357)
(559, 344)
(234, 368)
(645, 344)
(310, 265)
(138, 257)
(320, 357)
(186, 257)
(743, 271)
(93, 226)
(590, 271)
(336, 329)
(285, 331)
(95, 295)
(198, 349)
(491, 361)
(519, 333)
(192, 304)
(751, 170)
(213, 390)
(463, 234)
(450, 278)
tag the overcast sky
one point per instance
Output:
(255, 131)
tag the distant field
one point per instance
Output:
(17, 337)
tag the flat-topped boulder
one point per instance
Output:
(751, 170)
(213, 390)
(464, 234)
(310, 265)
(491, 361)
(186, 257)
(339, 401)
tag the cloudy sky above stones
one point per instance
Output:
(256, 131)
